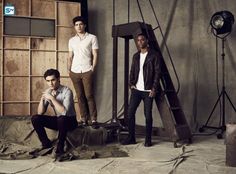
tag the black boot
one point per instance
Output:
(148, 143)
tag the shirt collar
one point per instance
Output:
(84, 36)
(59, 90)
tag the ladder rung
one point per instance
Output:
(156, 27)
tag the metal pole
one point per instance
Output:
(223, 86)
(114, 84)
(126, 79)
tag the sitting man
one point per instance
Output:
(60, 98)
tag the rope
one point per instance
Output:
(128, 11)
(114, 13)
(140, 10)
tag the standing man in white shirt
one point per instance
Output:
(82, 60)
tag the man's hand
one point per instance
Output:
(152, 93)
(132, 87)
(47, 97)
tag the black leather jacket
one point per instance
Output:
(151, 70)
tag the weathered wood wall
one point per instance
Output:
(25, 59)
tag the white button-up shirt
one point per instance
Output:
(82, 50)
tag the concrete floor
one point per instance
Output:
(206, 156)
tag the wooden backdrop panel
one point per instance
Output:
(64, 34)
(38, 85)
(22, 59)
(0, 34)
(62, 63)
(67, 82)
(67, 11)
(16, 88)
(41, 61)
(43, 8)
(43, 44)
(16, 63)
(16, 42)
(16, 109)
(34, 108)
(0, 9)
(0, 67)
(0, 97)
(21, 6)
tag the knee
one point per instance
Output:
(35, 118)
(61, 120)
(89, 96)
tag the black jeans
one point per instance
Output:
(61, 123)
(135, 99)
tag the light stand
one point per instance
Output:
(223, 94)
(221, 23)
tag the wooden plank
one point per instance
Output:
(15, 109)
(15, 89)
(1, 34)
(15, 62)
(21, 6)
(43, 8)
(62, 63)
(38, 86)
(67, 82)
(64, 34)
(0, 67)
(30, 70)
(1, 10)
(16, 42)
(34, 108)
(0, 89)
(67, 11)
(41, 61)
(43, 44)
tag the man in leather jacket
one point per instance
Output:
(144, 83)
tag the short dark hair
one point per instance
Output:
(51, 72)
(142, 34)
(79, 18)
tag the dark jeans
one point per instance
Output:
(61, 123)
(135, 99)
(83, 84)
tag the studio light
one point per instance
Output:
(222, 22)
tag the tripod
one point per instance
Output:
(224, 95)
